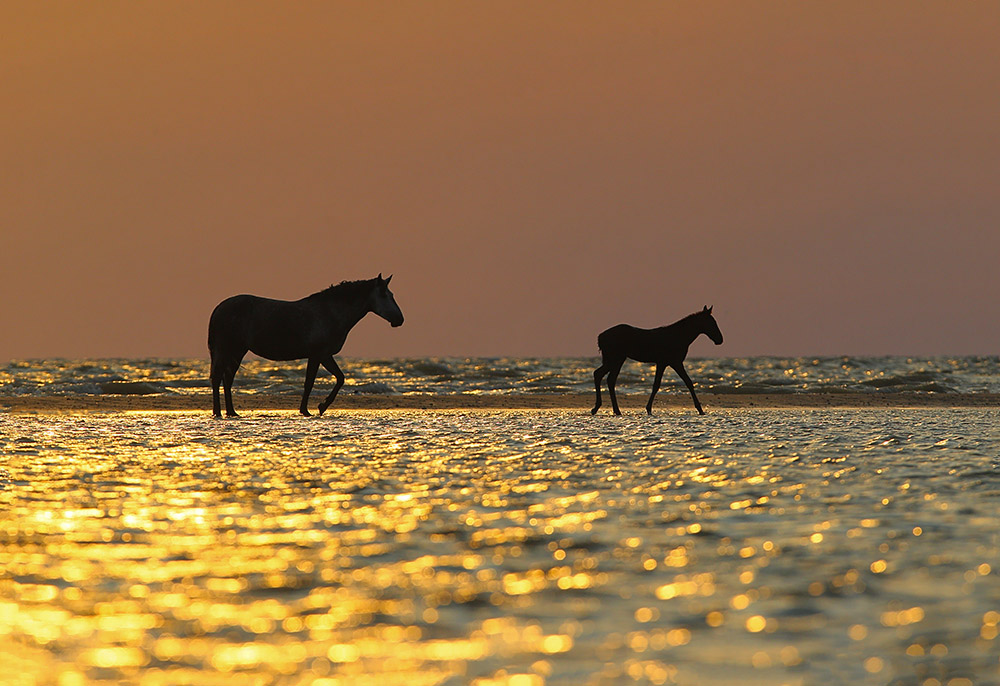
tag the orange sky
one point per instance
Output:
(825, 174)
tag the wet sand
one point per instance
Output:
(631, 402)
(543, 547)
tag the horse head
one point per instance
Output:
(711, 327)
(383, 304)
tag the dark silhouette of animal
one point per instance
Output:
(314, 328)
(666, 346)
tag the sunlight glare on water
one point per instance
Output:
(510, 375)
(501, 547)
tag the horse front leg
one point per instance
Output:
(331, 366)
(228, 389)
(312, 366)
(679, 368)
(656, 386)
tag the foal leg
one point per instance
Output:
(312, 366)
(598, 375)
(679, 368)
(331, 366)
(612, 380)
(656, 386)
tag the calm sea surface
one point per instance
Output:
(524, 548)
(511, 375)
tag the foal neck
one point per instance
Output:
(688, 328)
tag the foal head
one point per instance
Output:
(383, 304)
(709, 326)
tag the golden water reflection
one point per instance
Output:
(499, 548)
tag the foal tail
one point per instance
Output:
(614, 341)
(602, 344)
(603, 341)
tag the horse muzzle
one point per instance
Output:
(398, 322)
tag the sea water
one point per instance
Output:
(510, 376)
(527, 548)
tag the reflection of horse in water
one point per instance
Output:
(314, 327)
(667, 346)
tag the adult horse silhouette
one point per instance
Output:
(667, 346)
(314, 327)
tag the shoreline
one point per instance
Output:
(464, 401)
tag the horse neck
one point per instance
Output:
(349, 310)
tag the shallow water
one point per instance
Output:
(509, 375)
(502, 547)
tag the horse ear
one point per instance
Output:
(710, 309)
(388, 280)
(380, 276)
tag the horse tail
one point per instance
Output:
(211, 331)
(213, 326)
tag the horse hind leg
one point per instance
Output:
(227, 370)
(227, 386)
(216, 377)
(612, 380)
(598, 376)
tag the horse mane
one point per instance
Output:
(691, 316)
(347, 290)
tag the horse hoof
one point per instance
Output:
(304, 412)
(322, 409)
(594, 411)
(232, 415)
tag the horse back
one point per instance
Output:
(273, 329)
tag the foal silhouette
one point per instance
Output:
(314, 327)
(667, 346)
